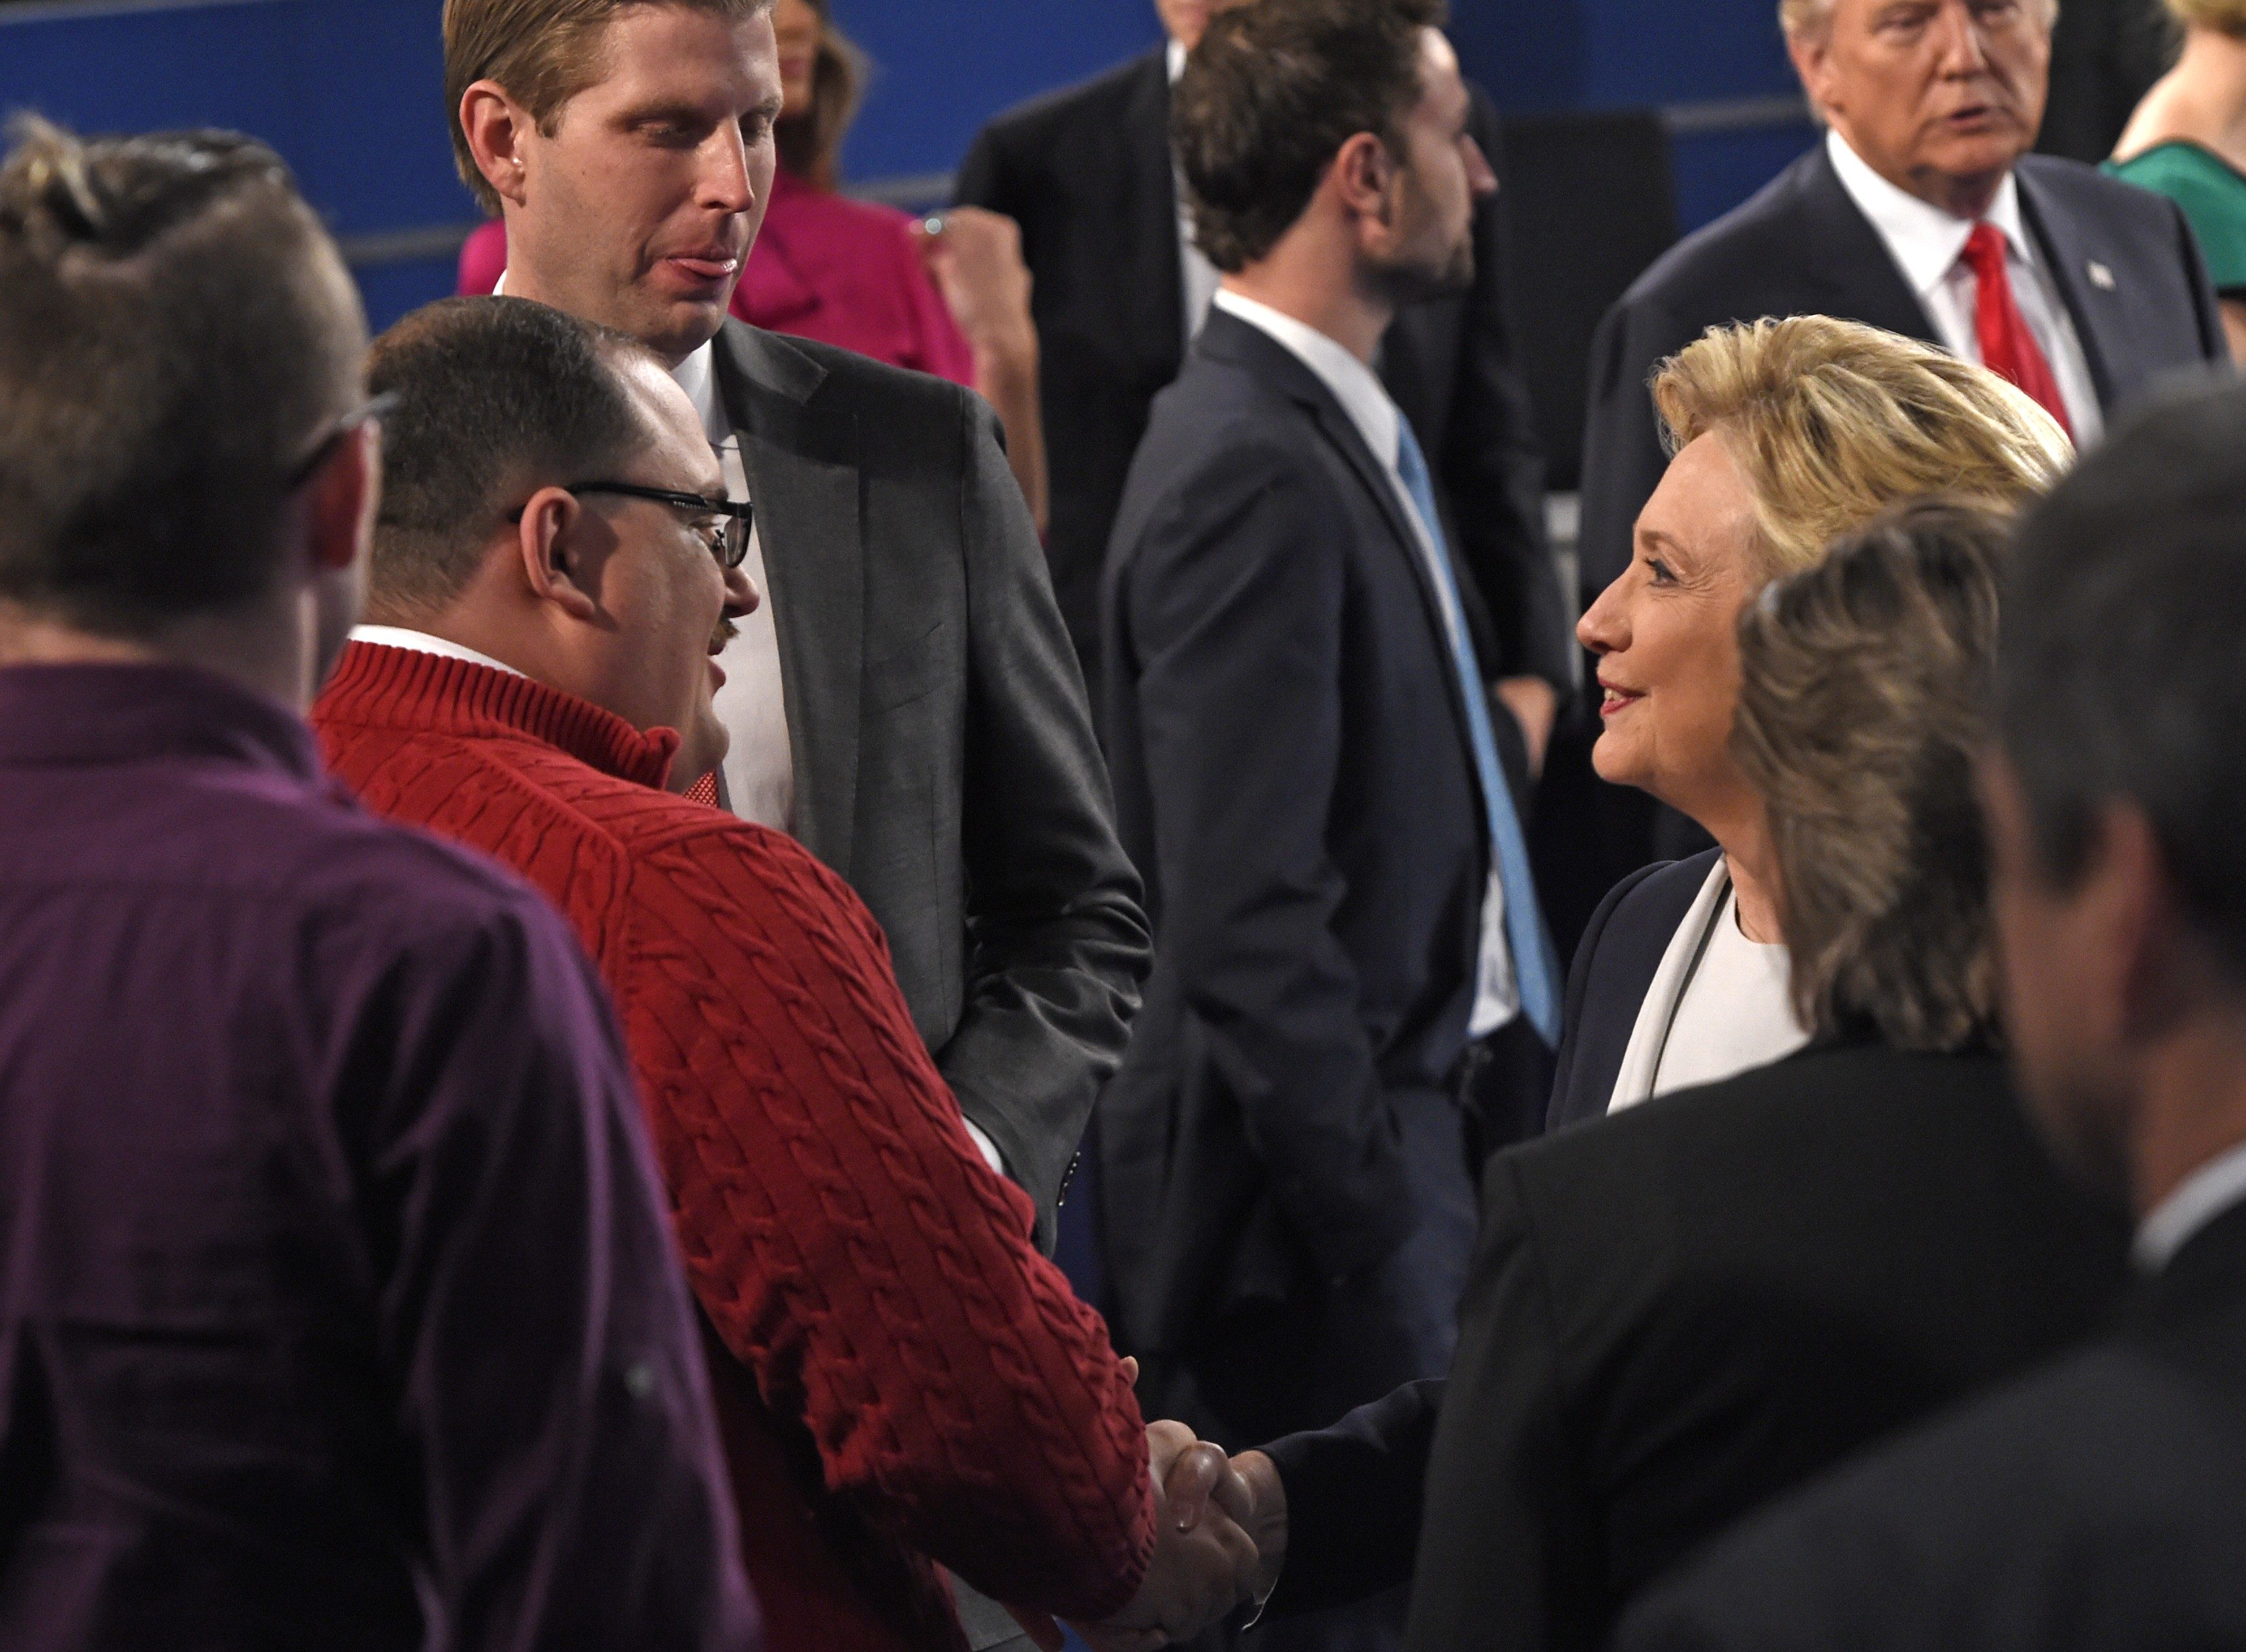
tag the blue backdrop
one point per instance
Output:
(351, 90)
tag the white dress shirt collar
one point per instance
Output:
(1176, 58)
(1925, 240)
(2208, 1192)
(400, 636)
(1354, 386)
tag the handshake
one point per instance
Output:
(1220, 1541)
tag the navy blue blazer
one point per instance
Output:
(1802, 246)
(1288, 737)
(1616, 961)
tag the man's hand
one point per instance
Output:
(1204, 1567)
(1263, 1517)
(1534, 704)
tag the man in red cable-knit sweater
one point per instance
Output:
(903, 1381)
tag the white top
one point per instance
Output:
(1200, 277)
(1929, 245)
(1497, 995)
(399, 636)
(1719, 1005)
(760, 766)
(2208, 1192)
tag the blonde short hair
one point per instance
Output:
(1832, 422)
(544, 52)
(2224, 16)
(1799, 17)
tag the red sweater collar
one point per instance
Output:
(401, 688)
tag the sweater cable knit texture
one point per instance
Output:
(902, 1378)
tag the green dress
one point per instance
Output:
(2213, 195)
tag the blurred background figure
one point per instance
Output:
(1787, 434)
(2187, 141)
(947, 295)
(2105, 55)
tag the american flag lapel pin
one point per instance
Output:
(2100, 277)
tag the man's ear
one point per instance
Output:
(559, 564)
(495, 127)
(1811, 51)
(2140, 918)
(1364, 174)
(340, 500)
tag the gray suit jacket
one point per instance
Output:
(944, 759)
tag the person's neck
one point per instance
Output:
(1753, 864)
(2209, 92)
(1299, 279)
(2191, 1106)
(258, 648)
(1968, 197)
(471, 625)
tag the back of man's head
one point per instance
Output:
(543, 51)
(496, 398)
(176, 334)
(1271, 94)
(2120, 678)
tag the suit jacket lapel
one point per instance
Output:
(809, 528)
(2068, 256)
(1158, 302)
(1228, 336)
(1847, 258)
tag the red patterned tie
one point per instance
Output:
(704, 790)
(2007, 346)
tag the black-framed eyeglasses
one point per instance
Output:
(373, 410)
(732, 518)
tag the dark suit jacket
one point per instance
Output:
(1292, 772)
(1086, 172)
(1682, 1311)
(1616, 961)
(944, 759)
(1800, 246)
(2097, 1505)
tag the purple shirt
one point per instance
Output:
(338, 1305)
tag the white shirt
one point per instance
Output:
(1929, 246)
(760, 766)
(1200, 277)
(2208, 1192)
(1719, 1005)
(399, 636)
(1497, 995)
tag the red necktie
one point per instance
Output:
(704, 790)
(2007, 346)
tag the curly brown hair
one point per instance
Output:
(1864, 700)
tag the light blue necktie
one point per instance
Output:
(1536, 965)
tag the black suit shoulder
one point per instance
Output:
(1734, 257)
(2096, 1505)
(1687, 1310)
(1029, 127)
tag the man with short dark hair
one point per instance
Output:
(1089, 174)
(2097, 1504)
(1350, 955)
(336, 1305)
(905, 703)
(903, 1381)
